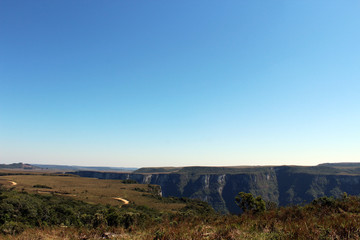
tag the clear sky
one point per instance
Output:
(175, 83)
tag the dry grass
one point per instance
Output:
(89, 190)
(187, 231)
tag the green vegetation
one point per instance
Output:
(247, 202)
(35, 216)
(41, 186)
(21, 210)
(129, 181)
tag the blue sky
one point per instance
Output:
(176, 83)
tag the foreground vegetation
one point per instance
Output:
(34, 216)
(65, 207)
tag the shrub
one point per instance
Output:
(324, 201)
(12, 228)
(41, 186)
(129, 181)
(247, 202)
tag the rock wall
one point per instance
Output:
(276, 184)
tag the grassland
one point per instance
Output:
(90, 190)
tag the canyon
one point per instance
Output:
(284, 185)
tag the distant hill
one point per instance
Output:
(326, 168)
(78, 168)
(342, 164)
(158, 169)
(27, 166)
(17, 166)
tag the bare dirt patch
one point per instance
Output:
(13, 183)
(122, 199)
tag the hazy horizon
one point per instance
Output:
(176, 166)
(205, 83)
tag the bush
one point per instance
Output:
(41, 186)
(247, 202)
(324, 202)
(12, 228)
(129, 181)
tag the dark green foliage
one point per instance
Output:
(154, 190)
(247, 202)
(12, 227)
(140, 189)
(10, 174)
(197, 208)
(41, 186)
(269, 205)
(324, 202)
(19, 210)
(129, 181)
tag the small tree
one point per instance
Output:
(247, 202)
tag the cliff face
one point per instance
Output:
(296, 188)
(264, 184)
(283, 185)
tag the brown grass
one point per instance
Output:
(89, 190)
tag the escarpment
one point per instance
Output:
(218, 186)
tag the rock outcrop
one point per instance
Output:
(283, 185)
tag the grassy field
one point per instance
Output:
(89, 190)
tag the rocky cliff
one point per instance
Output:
(218, 186)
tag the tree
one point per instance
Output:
(247, 202)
